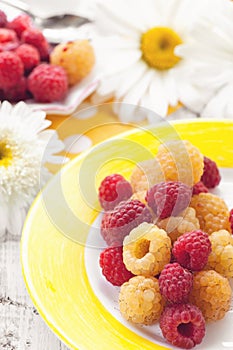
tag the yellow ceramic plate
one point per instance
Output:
(58, 271)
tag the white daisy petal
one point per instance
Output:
(114, 42)
(170, 88)
(127, 113)
(122, 13)
(120, 61)
(218, 105)
(131, 76)
(193, 97)
(22, 131)
(151, 15)
(158, 98)
(135, 94)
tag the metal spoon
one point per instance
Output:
(52, 22)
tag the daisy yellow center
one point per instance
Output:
(5, 154)
(157, 45)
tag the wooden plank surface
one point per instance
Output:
(21, 327)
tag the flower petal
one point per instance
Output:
(131, 76)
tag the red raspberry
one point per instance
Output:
(48, 83)
(113, 267)
(35, 37)
(7, 35)
(11, 69)
(17, 92)
(2, 95)
(175, 283)
(20, 23)
(183, 325)
(9, 46)
(192, 249)
(211, 176)
(199, 188)
(3, 19)
(231, 219)
(168, 198)
(113, 190)
(118, 223)
(29, 56)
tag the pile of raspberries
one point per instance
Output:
(25, 71)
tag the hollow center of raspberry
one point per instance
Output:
(141, 248)
(5, 154)
(186, 329)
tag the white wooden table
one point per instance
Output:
(21, 327)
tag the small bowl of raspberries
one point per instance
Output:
(32, 70)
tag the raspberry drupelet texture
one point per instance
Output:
(192, 249)
(20, 23)
(221, 256)
(145, 175)
(140, 300)
(48, 83)
(7, 35)
(231, 219)
(212, 212)
(147, 249)
(183, 325)
(181, 161)
(113, 190)
(35, 37)
(211, 176)
(76, 57)
(17, 92)
(175, 283)
(11, 69)
(3, 19)
(29, 55)
(176, 226)
(113, 268)
(118, 223)
(168, 198)
(211, 292)
(199, 188)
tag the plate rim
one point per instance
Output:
(26, 233)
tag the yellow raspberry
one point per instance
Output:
(211, 211)
(140, 300)
(76, 57)
(141, 195)
(181, 161)
(211, 292)
(176, 226)
(145, 175)
(221, 256)
(146, 250)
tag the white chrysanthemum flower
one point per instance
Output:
(136, 52)
(25, 147)
(212, 50)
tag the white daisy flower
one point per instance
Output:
(138, 61)
(212, 49)
(25, 147)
